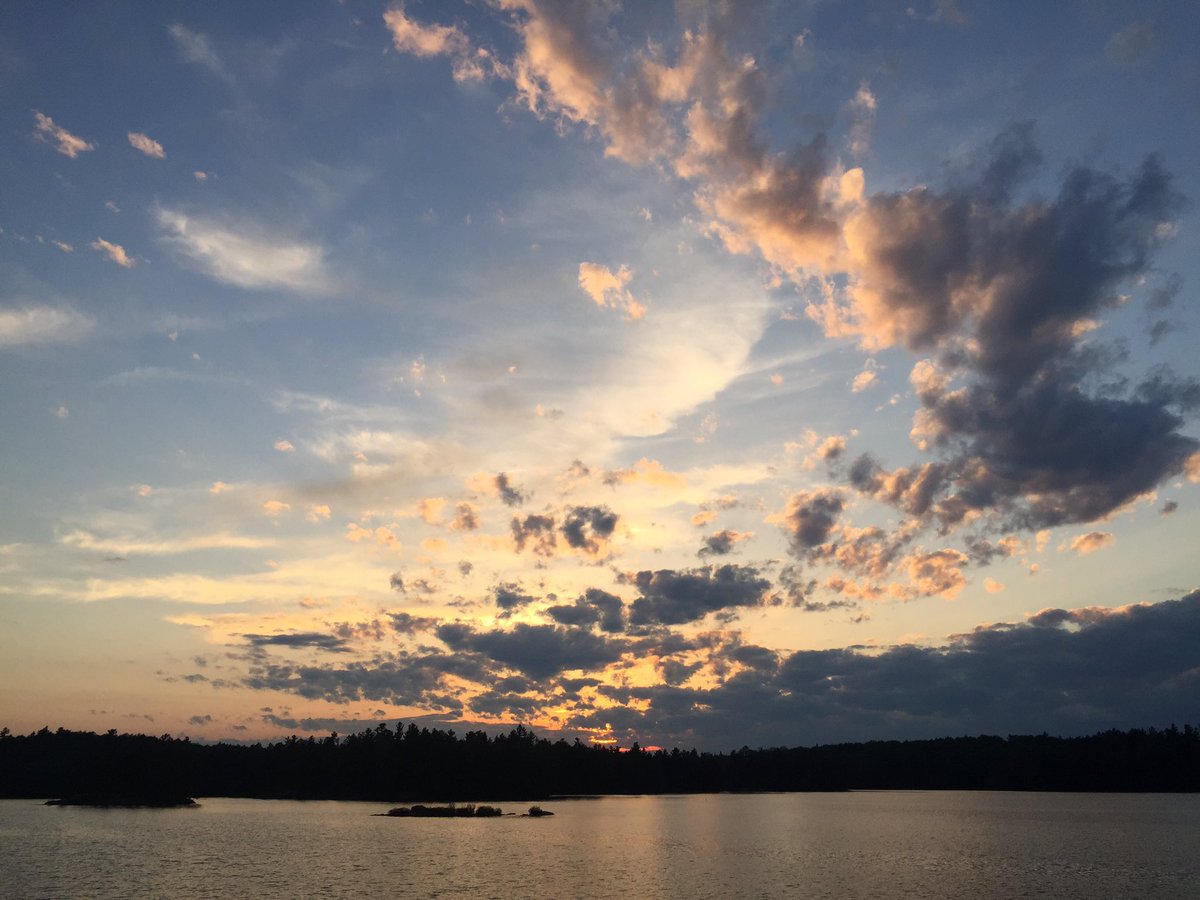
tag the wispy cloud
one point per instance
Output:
(197, 48)
(64, 142)
(41, 325)
(146, 144)
(245, 256)
(144, 546)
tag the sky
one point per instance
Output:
(696, 374)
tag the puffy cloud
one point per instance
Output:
(539, 651)
(430, 509)
(593, 607)
(509, 494)
(274, 508)
(469, 63)
(465, 518)
(246, 256)
(115, 252)
(1091, 542)
(318, 512)
(863, 380)
(720, 543)
(285, 446)
(64, 142)
(42, 325)
(147, 145)
(670, 597)
(536, 531)
(509, 598)
(1000, 290)
(588, 528)
(811, 516)
(607, 288)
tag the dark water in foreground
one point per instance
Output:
(886, 844)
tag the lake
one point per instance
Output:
(859, 844)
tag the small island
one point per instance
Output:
(125, 801)
(466, 811)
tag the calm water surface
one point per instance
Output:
(886, 844)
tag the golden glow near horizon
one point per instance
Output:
(650, 374)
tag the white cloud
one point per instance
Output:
(245, 257)
(285, 446)
(146, 144)
(67, 144)
(115, 252)
(41, 325)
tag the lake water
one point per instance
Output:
(861, 844)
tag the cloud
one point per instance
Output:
(1068, 671)
(469, 63)
(114, 252)
(275, 508)
(146, 145)
(64, 142)
(509, 598)
(465, 518)
(999, 290)
(539, 651)
(811, 516)
(670, 597)
(285, 446)
(720, 543)
(1091, 542)
(1131, 45)
(197, 48)
(863, 380)
(299, 641)
(607, 288)
(536, 531)
(318, 512)
(588, 528)
(245, 256)
(42, 325)
(139, 545)
(509, 495)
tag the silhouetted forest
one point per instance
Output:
(384, 764)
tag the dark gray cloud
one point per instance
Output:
(539, 651)
(396, 583)
(1064, 671)
(400, 679)
(594, 607)
(510, 495)
(509, 598)
(300, 639)
(670, 597)
(811, 516)
(587, 527)
(535, 531)
(407, 623)
(465, 518)
(719, 543)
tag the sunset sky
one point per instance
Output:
(690, 373)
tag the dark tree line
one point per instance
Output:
(382, 764)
